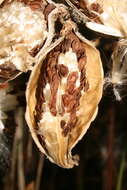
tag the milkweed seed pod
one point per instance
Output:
(25, 28)
(62, 96)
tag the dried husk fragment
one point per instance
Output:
(104, 16)
(62, 96)
(113, 18)
(84, 10)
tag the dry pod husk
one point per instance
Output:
(62, 95)
(104, 16)
(26, 27)
(85, 10)
(113, 18)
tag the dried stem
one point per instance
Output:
(14, 161)
(121, 171)
(39, 172)
(17, 154)
(21, 177)
(29, 151)
(109, 173)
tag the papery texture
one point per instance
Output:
(62, 95)
(107, 17)
(113, 16)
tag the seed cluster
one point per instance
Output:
(53, 73)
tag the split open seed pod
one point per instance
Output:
(62, 96)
